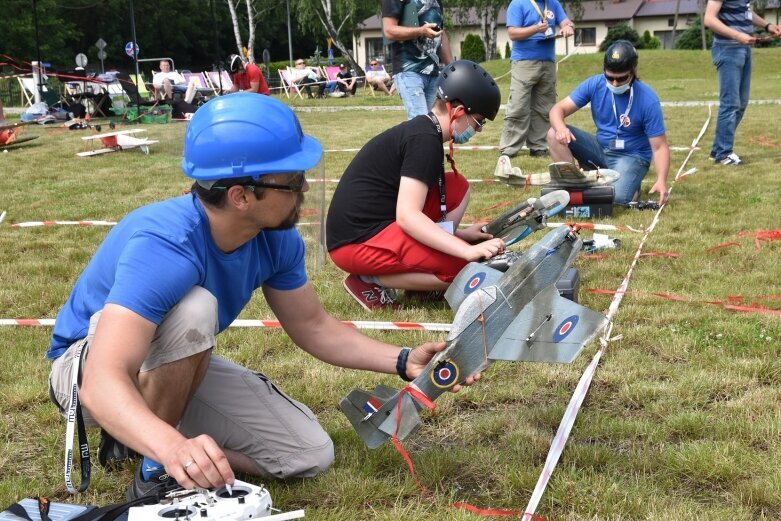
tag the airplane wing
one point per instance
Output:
(117, 133)
(549, 329)
(96, 152)
(18, 141)
(472, 276)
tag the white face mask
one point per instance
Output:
(621, 89)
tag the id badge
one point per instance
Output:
(447, 226)
(749, 15)
(548, 32)
(617, 144)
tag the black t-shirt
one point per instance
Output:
(346, 75)
(364, 202)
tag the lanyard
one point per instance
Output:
(537, 8)
(75, 420)
(620, 120)
(442, 199)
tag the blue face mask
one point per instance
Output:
(459, 138)
(621, 89)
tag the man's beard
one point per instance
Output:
(292, 219)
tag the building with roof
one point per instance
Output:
(596, 17)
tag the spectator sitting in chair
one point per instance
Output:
(345, 81)
(168, 82)
(305, 76)
(247, 77)
(379, 78)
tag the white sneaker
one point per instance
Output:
(732, 159)
(503, 169)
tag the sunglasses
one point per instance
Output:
(295, 185)
(480, 124)
(373, 64)
(618, 79)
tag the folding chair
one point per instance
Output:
(197, 80)
(287, 83)
(366, 83)
(219, 82)
(28, 90)
(330, 72)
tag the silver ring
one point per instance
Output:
(187, 465)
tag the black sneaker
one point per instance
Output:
(111, 452)
(538, 153)
(157, 486)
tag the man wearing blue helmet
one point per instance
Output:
(171, 276)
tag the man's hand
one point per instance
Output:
(199, 462)
(567, 31)
(430, 30)
(564, 136)
(745, 39)
(542, 27)
(422, 355)
(660, 187)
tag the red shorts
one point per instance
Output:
(392, 251)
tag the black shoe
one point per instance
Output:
(110, 451)
(157, 486)
(538, 153)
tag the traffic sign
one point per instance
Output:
(102, 55)
(101, 44)
(81, 60)
(129, 49)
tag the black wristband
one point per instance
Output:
(401, 364)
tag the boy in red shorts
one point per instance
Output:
(393, 220)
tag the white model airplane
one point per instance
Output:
(114, 141)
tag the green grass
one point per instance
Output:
(683, 417)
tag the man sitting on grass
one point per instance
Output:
(172, 275)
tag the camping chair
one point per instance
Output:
(366, 84)
(287, 83)
(138, 95)
(198, 81)
(219, 81)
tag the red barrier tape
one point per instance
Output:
(732, 303)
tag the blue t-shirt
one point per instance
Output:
(645, 119)
(521, 13)
(158, 253)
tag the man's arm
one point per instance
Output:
(661, 153)
(321, 335)
(110, 391)
(558, 113)
(399, 33)
(524, 33)
(713, 23)
(445, 54)
(567, 28)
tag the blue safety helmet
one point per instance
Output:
(246, 135)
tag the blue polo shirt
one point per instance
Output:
(156, 254)
(645, 117)
(521, 13)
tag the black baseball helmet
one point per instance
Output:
(469, 83)
(234, 63)
(621, 56)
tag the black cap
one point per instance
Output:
(469, 83)
(621, 56)
(234, 63)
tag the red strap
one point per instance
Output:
(720, 246)
(575, 198)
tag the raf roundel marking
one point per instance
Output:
(445, 374)
(566, 327)
(475, 282)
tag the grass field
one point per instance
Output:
(683, 419)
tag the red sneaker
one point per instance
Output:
(369, 295)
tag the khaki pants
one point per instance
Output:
(242, 410)
(532, 95)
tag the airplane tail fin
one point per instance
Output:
(373, 415)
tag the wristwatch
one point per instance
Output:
(767, 27)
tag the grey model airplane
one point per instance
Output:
(518, 222)
(517, 316)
